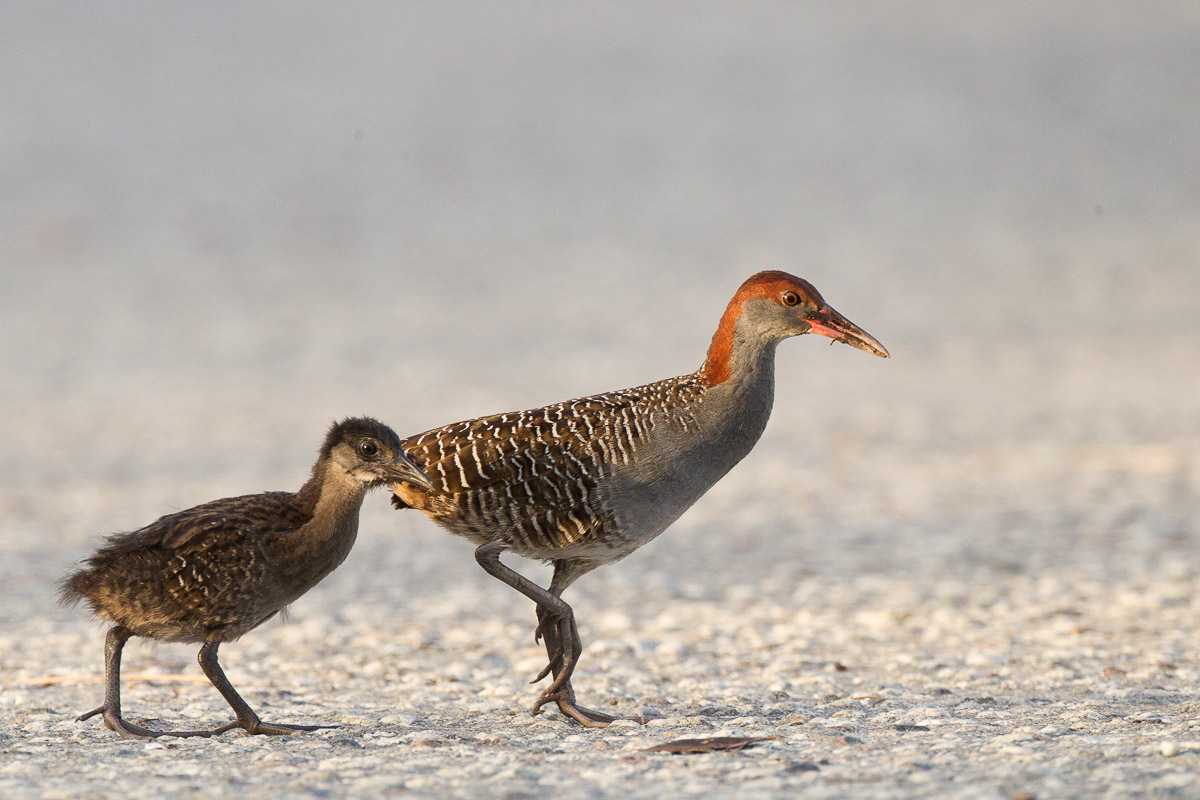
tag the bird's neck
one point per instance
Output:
(333, 500)
(739, 373)
(739, 353)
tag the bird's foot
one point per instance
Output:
(564, 698)
(586, 717)
(127, 730)
(256, 727)
(115, 722)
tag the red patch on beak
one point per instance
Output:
(814, 326)
(828, 322)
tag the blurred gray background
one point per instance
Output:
(224, 224)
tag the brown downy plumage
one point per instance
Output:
(586, 482)
(211, 573)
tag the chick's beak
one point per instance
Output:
(828, 322)
(404, 470)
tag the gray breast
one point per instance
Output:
(675, 467)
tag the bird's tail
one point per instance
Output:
(74, 587)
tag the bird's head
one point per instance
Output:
(774, 305)
(370, 452)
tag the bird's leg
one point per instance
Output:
(553, 643)
(111, 709)
(552, 611)
(565, 573)
(556, 623)
(114, 642)
(247, 720)
(548, 626)
(563, 656)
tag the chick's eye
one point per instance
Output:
(368, 448)
(790, 298)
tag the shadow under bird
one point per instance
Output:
(585, 482)
(211, 573)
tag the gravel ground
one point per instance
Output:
(969, 571)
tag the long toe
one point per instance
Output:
(593, 719)
(564, 698)
(554, 665)
(200, 734)
(260, 728)
(128, 730)
(586, 716)
(562, 663)
(545, 626)
(92, 713)
(115, 722)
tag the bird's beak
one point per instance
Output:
(404, 470)
(828, 322)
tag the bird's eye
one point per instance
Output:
(368, 448)
(790, 298)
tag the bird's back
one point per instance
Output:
(540, 480)
(191, 575)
